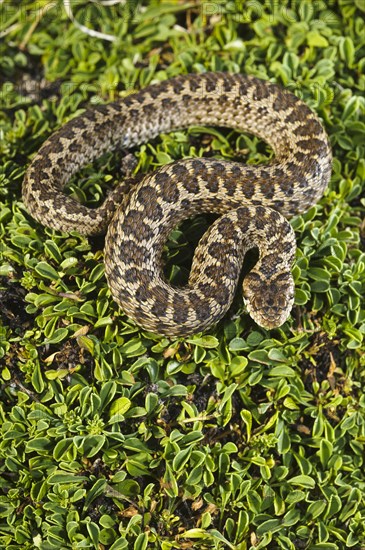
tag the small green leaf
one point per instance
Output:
(57, 336)
(347, 50)
(181, 459)
(317, 40)
(316, 508)
(120, 406)
(207, 342)
(325, 451)
(269, 526)
(64, 478)
(38, 444)
(303, 481)
(47, 271)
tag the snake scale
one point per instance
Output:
(253, 202)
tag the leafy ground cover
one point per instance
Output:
(115, 438)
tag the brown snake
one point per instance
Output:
(253, 201)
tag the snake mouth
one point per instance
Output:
(270, 318)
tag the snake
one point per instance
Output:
(253, 203)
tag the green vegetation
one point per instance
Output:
(114, 438)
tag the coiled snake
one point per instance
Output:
(253, 201)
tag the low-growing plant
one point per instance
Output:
(239, 438)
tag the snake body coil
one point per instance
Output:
(253, 201)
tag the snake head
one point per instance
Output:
(269, 300)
